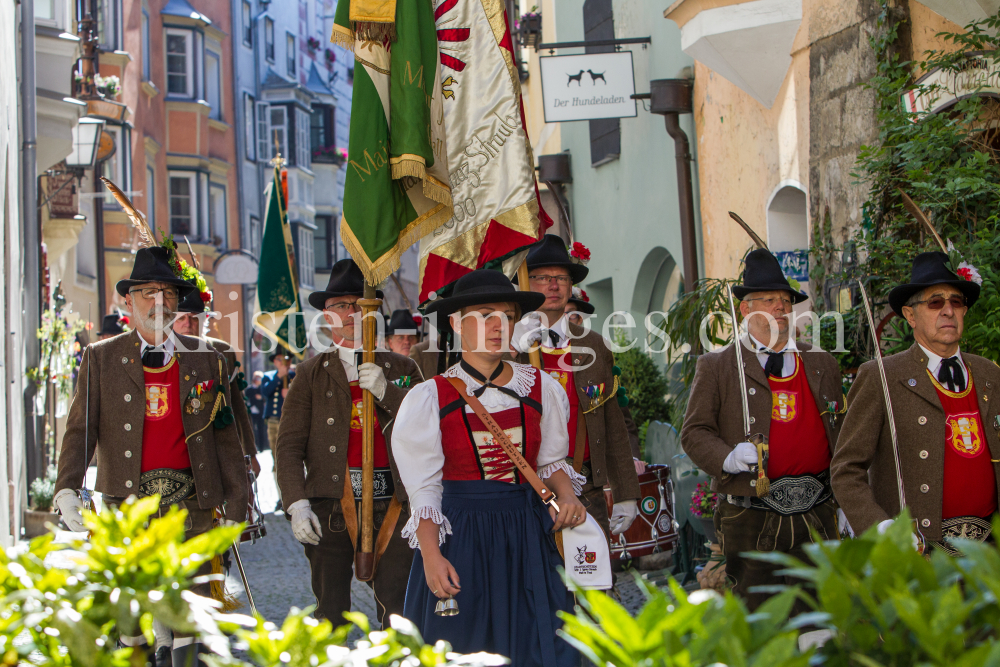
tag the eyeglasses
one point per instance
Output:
(343, 308)
(169, 293)
(937, 301)
(562, 280)
(769, 301)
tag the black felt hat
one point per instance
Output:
(279, 351)
(346, 279)
(551, 251)
(582, 303)
(401, 322)
(152, 265)
(484, 286)
(763, 274)
(111, 325)
(929, 269)
(193, 303)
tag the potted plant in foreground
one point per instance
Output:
(703, 504)
(41, 492)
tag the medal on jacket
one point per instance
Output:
(593, 392)
(198, 397)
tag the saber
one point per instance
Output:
(243, 576)
(885, 394)
(763, 485)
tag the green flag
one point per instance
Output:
(396, 189)
(277, 284)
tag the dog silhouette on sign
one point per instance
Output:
(594, 76)
(578, 77)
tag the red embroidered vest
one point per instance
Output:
(563, 372)
(970, 487)
(163, 443)
(797, 440)
(381, 454)
(469, 450)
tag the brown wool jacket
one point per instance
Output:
(864, 471)
(713, 424)
(116, 415)
(610, 446)
(316, 421)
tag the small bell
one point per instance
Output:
(446, 607)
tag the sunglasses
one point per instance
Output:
(937, 302)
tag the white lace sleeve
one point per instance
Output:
(578, 480)
(425, 512)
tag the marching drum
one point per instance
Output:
(654, 529)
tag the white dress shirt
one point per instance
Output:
(418, 451)
(787, 358)
(560, 328)
(348, 355)
(167, 347)
(934, 364)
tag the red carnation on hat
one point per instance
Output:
(206, 296)
(580, 253)
(418, 319)
(583, 295)
(124, 320)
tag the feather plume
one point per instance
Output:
(146, 239)
(756, 239)
(194, 257)
(922, 218)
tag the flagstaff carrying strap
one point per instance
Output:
(581, 441)
(347, 506)
(527, 472)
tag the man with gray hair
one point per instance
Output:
(793, 400)
(946, 424)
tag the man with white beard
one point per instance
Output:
(155, 410)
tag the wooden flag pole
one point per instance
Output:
(534, 356)
(364, 559)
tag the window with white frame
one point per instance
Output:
(290, 53)
(302, 151)
(247, 24)
(269, 38)
(305, 257)
(250, 126)
(109, 22)
(213, 84)
(145, 46)
(117, 167)
(217, 215)
(278, 129)
(255, 233)
(151, 198)
(264, 146)
(183, 204)
(180, 62)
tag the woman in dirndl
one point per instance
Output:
(484, 535)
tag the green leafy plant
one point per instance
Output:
(644, 382)
(43, 489)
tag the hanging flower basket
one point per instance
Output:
(329, 155)
(312, 43)
(530, 30)
(330, 56)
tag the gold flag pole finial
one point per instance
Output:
(277, 161)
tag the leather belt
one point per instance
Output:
(791, 494)
(171, 485)
(384, 486)
(963, 527)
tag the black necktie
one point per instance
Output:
(553, 339)
(487, 383)
(152, 358)
(775, 364)
(950, 374)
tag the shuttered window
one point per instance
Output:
(606, 133)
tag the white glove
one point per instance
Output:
(740, 459)
(527, 332)
(371, 377)
(228, 523)
(622, 516)
(71, 508)
(305, 523)
(884, 526)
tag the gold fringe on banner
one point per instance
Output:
(374, 20)
(342, 37)
(375, 32)
(219, 592)
(414, 166)
(379, 271)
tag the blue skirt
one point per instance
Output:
(506, 558)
